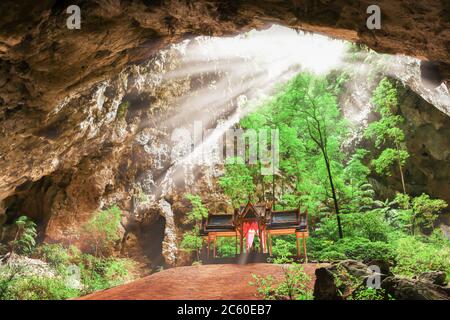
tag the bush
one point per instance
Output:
(370, 225)
(102, 273)
(284, 246)
(295, 285)
(426, 211)
(55, 255)
(39, 288)
(414, 256)
(356, 248)
(192, 241)
(370, 294)
(25, 238)
(102, 231)
(226, 247)
(96, 273)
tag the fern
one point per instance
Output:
(26, 234)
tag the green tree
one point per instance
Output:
(102, 230)
(311, 132)
(294, 286)
(387, 132)
(320, 120)
(192, 241)
(25, 236)
(237, 182)
(419, 212)
(425, 211)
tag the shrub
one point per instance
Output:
(96, 273)
(102, 230)
(284, 247)
(102, 273)
(356, 248)
(414, 257)
(370, 294)
(294, 286)
(226, 247)
(39, 288)
(370, 225)
(55, 255)
(426, 211)
(192, 241)
(25, 238)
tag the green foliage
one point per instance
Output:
(370, 294)
(385, 97)
(284, 247)
(102, 230)
(312, 133)
(415, 255)
(55, 255)
(226, 247)
(425, 211)
(369, 225)
(102, 273)
(96, 274)
(198, 211)
(38, 288)
(311, 130)
(25, 238)
(192, 241)
(357, 248)
(387, 159)
(237, 182)
(294, 286)
(416, 212)
(387, 132)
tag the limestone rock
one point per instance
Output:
(434, 277)
(406, 289)
(338, 280)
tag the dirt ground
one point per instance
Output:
(201, 282)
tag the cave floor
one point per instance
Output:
(201, 282)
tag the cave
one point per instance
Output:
(123, 114)
(151, 238)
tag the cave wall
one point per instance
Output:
(82, 123)
(44, 65)
(427, 137)
(115, 147)
(42, 61)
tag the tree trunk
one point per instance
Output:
(401, 176)
(333, 191)
(400, 168)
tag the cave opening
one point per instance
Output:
(210, 80)
(134, 132)
(151, 236)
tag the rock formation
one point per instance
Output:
(85, 120)
(342, 279)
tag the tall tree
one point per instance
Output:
(237, 182)
(311, 132)
(321, 118)
(387, 132)
(192, 240)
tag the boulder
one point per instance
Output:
(338, 280)
(383, 265)
(434, 277)
(414, 289)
